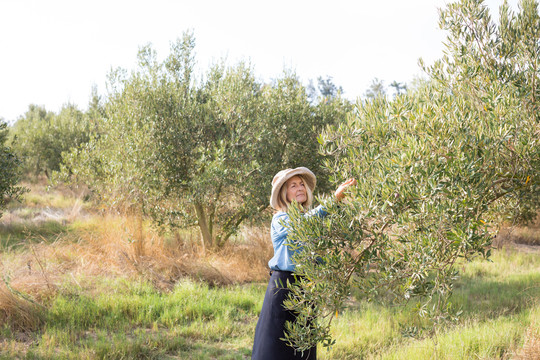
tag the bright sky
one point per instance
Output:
(54, 51)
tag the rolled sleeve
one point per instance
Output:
(282, 259)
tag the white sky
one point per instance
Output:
(53, 51)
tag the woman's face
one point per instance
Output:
(296, 190)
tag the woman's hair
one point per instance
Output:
(282, 198)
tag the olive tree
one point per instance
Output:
(438, 169)
(199, 151)
(237, 135)
(119, 162)
(9, 170)
(39, 137)
(209, 151)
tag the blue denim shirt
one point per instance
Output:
(282, 259)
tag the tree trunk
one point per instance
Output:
(139, 236)
(206, 233)
(136, 219)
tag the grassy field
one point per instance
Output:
(80, 284)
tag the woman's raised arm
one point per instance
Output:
(340, 192)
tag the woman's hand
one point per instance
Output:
(340, 192)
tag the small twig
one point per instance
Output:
(75, 280)
(528, 288)
(47, 281)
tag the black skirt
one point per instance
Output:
(271, 325)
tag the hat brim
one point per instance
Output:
(281, 178)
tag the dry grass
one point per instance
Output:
(140, 250)
(522, 235)
(531, 347)
(19, 311)
(123, 246)
(248, 261)
(101, 246)
(115, 246)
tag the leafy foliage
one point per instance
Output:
(199, 152)
(326, 89)
(438, 169)
(398, 87)
(9, 170)
(40, 137)
(376, 89)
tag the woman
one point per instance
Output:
(287, 186)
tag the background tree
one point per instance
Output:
(199, 152)
(95, 112)
(26, 135)
(326, 90)
(209, 157)
(40, 137)
(399, 88)
(120, 161)
(376, 89)
(9, 170)
(438, 169)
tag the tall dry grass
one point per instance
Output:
(140, 250)
(20, 312)
(524, 236)
(531, 346)
(114, 245)
(90, 245)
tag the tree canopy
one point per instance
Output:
(200, 152)
(438, 169)
(9, 170)
(39, 137)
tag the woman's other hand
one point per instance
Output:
(340, 192)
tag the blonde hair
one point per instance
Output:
(283, 203)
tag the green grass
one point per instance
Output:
(129, 319)
(499, 300)
(15, 235)
(374, 332)
(124, 320)
(41, 195)
(90, 317)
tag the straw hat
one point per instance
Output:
(284, 175)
